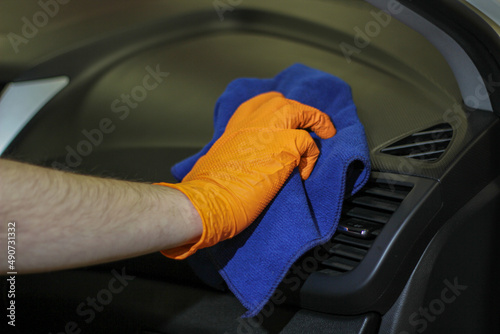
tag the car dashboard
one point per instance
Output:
(129, 90)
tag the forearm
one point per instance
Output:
(66, 220)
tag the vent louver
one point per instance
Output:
(428, 144)
(363, 217)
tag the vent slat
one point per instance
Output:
(369, 215)
(340, 263)
(431, 132)
(376, 203)
(349, 252)
(425, 154)
(361, 243)
(415, 145)
(428, 145)
(394, 194)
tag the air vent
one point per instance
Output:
(428, 144)
(363, 217)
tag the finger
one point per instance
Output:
(309, 153)
(252, 109)
(302, 116)
(257, 101)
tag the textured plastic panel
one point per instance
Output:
(400, 83)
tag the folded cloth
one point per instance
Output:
(304, 214)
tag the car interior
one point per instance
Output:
(415, 250)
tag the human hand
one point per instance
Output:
(246, 167)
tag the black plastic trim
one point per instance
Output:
(377, 281)
(474, 268)
(360, 289)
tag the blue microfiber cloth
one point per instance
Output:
(304, 214)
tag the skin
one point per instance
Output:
(82, 220)
(64, 220)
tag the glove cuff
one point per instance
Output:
(212, 207)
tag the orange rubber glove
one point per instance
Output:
(246, 167)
